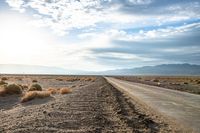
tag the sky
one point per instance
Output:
(98, 35)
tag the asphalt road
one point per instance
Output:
(181, 106)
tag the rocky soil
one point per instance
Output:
(91, 107)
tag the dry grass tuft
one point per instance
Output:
(25, 86)
(35, 94)
(52, 91)
(65, 90)
(155, 80)
(35, 87)
(34, 81)
(10, 89)
(3, 82)
(59, 79)
(4, 78)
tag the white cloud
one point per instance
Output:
(125, 56)
(99, 25)
(140, 2)
(159, 34)
(63, 16)
(66, 15)
(16, 4)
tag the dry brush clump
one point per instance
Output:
(35, 87)
(59, 90)
(53, 91)
(10, 89)
(72, 79)
(34, 81)
(3, 82)
(65, 90)
(59, 79)
(88, 79)
(25, 86)
(4, 78)
(28, 96)
(155, 80)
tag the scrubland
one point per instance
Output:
(45, 103)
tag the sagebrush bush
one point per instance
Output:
(25, 86)
(155, 80)
(65, 90)
(10, 89)
(59, 79)
(3, 82)
(35, 87)
(34, 94)
(4, 78)
(34, 81)
(53, 91)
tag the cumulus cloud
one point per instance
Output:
(63, 16)
(103, 34)
(16, 4)
(139, 2)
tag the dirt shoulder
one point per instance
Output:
(91, 107)
(190, 84)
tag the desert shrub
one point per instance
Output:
(35, 94)
(4, 78)
(13, 89)
(52, 91)
(25, 86)
(10, 89)
(34, 81)
(22, 87)
(87, 79)
(72, 79)
(35, 87)
(3, 82)
(59, 79)
(18, 78)
(65, 90)
(155, 80)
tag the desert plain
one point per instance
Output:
(90, 104)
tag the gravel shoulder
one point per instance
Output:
(91, 107)
(190, 84)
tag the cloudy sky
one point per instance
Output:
(95, 35)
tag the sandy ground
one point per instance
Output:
(190, 84)
(93, 106)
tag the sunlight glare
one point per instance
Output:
(19, 41)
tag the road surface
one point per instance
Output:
(181, 106)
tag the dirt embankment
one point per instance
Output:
(94, 107)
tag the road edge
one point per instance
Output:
(150, 112)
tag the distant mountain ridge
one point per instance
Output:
(29, 69)
(164, 69)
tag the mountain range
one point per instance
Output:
(164, 69)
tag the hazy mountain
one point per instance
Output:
(165, 69)
(30, 69)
